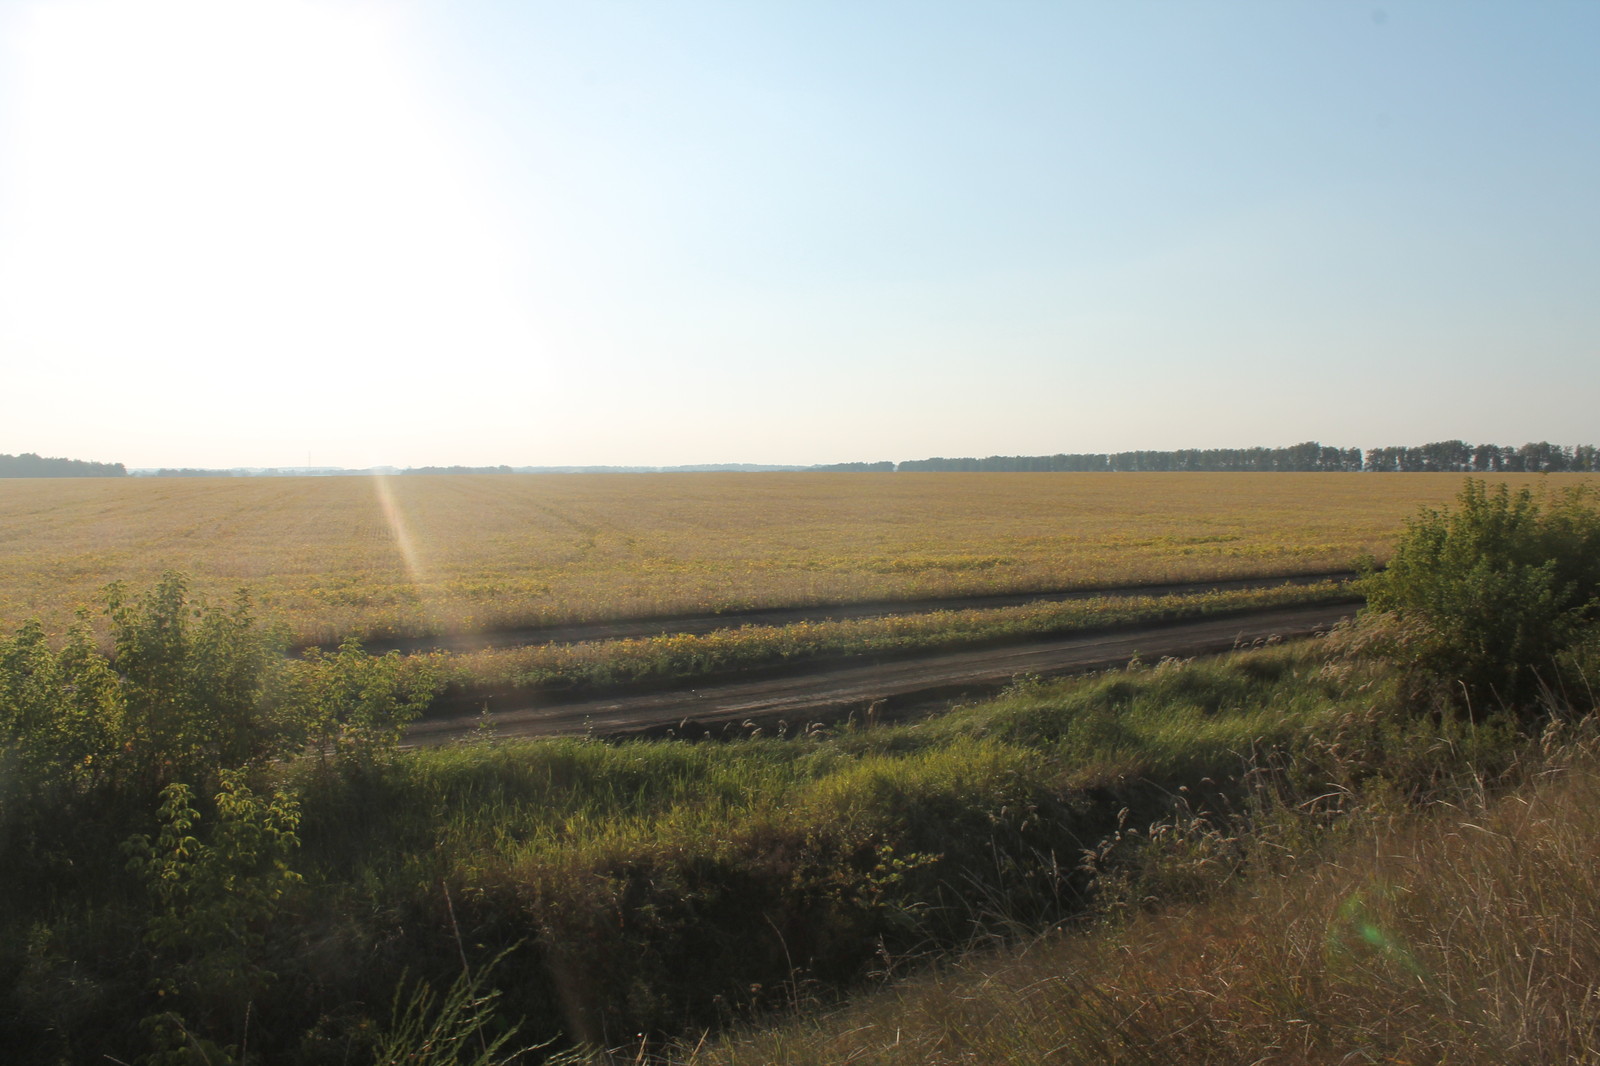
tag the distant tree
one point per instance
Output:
(1449, 455)
(1544, 458)
(28, 464)
(1306, 456)
(1486, 458)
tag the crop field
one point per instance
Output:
(421, 554)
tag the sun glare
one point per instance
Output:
(405, 544)
(398, 529)
(203, 187)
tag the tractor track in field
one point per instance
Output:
(634, 628)
(881, 688)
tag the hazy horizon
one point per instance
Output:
(244, 234)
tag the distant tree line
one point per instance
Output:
(835, 468)
(1443, 456)
(1459, 456)
(30, 465)
(853, 468)
(1450, 456)
(1307, 456)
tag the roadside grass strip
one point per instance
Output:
(598, 664)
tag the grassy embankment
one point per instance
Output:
(655, 887)
(1462, 926)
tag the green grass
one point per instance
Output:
(679, 656)
(1464, 929)
(653, 887)
(675, 885)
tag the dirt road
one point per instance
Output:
(896, 688)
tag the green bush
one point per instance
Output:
(189, 691)
(195, 683)
(144, 827)
(1484, 600)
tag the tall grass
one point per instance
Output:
(649, 887)
(657, 886)
(1464, 930)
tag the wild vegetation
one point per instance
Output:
(223, 900)
(1494, 595)
(217, 853)
(1458, 925)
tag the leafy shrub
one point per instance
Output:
(355, 706)
(189, 691)
(195, 682)
(1484, 599)
(169, 744)
(61, 716)
(213, 900)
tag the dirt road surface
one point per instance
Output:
(832, 691)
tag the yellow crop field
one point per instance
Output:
(418, 554)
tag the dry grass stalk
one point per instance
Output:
(1469, 933)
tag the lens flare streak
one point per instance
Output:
(400, 531)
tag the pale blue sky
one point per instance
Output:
(239, 232)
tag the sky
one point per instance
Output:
(429, 232)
